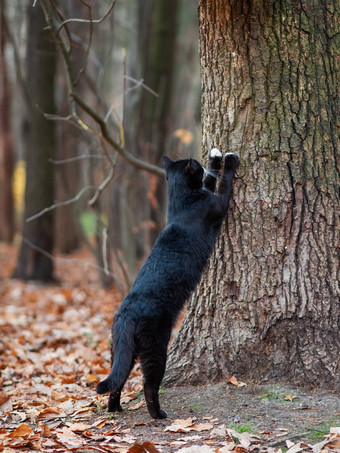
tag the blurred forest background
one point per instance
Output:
(74, 97)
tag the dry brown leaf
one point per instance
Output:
(233, 381)
(79, 427)
(49, 412)
(290, 398)
(138, 405)
(68, 438)
(3, 398)
(295, 448)
(145, 447)
(218, 431)
(184, 426)
(225, 449)
(240, 449)
(23, 431)
(245, 439)
(201, 427)
(196, 449)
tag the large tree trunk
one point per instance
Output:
(34, 261)
(268, 306)
(6, 147)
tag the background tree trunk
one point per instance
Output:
(6, 148)
(39, 146)
(268, 305)
(141, 197)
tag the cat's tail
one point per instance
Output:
(124, 351)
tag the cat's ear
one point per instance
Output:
(190, 167)
(166, 162)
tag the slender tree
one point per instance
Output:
(268, 306)
(33, 261)
(147, 118)
(6, 146)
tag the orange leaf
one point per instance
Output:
(23, 431)
(3, 399)
(233, 381)
(146, 447)
(240, 449)
(49, 412)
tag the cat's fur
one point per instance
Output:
(143, 323)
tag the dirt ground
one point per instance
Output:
(258, 409)
(54, 349)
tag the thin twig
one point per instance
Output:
(106, 265)
(88, 47)
(105, 136)
(67, 260)
(86, 21)
(138, 83)
(108, 139)
(103, 185)
(141, 82)
(76, 158)
(60, 203)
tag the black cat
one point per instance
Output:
(143, 323)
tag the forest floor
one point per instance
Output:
(54, 349)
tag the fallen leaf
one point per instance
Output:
(184, 426)
(23, 431)
(3, 398)
(196, 449)
(138, 405)
(240, 449)
(233, 381)
(244, 439)
(218, 431)
(79, 427)
(295, 449)
(290, 398)
(68, 438)
(49, 412)
(145, 447)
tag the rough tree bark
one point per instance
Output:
(268, 306)
(39, 148)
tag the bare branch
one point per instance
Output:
(106, 266)
(68, 260)
(86, 21)
(76, 158)
(140, 82)
(105, 136)
(108, 139)
(83, 69)
(137, 83)
(61, 203)
(103, 185)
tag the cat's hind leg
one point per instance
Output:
(153, 361)
(114, 396)
(215, 164)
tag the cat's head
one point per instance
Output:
(185, 171)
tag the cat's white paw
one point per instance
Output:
(215, 153)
